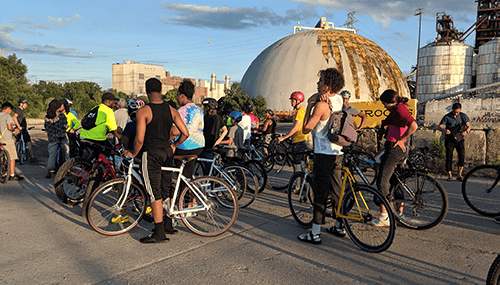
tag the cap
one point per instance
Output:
(345, 94)
(108, 96)
(121, 102)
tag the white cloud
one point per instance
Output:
(387, 11)
(30, 24)
(61, 22)
(228, 18)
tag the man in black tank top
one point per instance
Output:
(152, 144)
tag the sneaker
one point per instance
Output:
(380, 222)
(497, 220)
(120, 220)
(15, 178)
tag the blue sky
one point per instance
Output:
(80, 40)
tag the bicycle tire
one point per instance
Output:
(243, 182)
(366, 163)
(362, 233)
(429, 205)
(102, 207)
(279, 175)
(222, 202)
(258, 169)
(301, 199)
(494, 272)
(4, 165)
(21, 152)
(477, 193)
(261, 152)
(72, 180)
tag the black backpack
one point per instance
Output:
(88, 122)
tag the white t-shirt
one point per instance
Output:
(246, 125)
(321, 142)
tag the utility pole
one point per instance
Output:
(418, 13)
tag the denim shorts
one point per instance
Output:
(297, 148)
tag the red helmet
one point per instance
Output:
(297, 95)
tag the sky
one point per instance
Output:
(65, 41)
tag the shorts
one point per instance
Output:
(10, 147)
(298, 147)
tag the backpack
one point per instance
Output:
(341, 130)
(88, 122)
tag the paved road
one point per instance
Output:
(44, 241)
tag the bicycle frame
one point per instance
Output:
(348, 177)
(218, 169)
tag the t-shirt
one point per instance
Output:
(5, 119)
(398, 122)
(20, 117)
(246, 125)
(450, 121)
(211, 130)
(129, 132)
(254, 120)
(236, 132)
(121, 117)
(192, 116)
(322, 144)
(353, 111)
(299, 136)
(105, 122)
(73, 122)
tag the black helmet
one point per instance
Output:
(248, 108)
(22, 100)
(210, 103)
(271, 112)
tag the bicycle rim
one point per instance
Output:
(222, 207)
(243, 182)
(258, 169)
(21, 153)
(428, 205)
(361, 232)
(301, 200)
(368, 168)
(72, 180)
(478, 190)
(4, 166)
(103, 214)
(279, 175)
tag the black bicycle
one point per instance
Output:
(494, 272)
(481, 191)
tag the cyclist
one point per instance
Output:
(246, 123)
(20, 123)
(128, 135)
(213, 124)
(269, 126)
(6, 129)
(121, 114)
(353, 111)
(254, 119)
(235, 137)
(73, 125)
(327, 155)
(56, 125)
(400, 125)
(299, 138)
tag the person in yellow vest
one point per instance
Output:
(73, 125)
(105, 122)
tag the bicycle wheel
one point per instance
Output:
(481, 190)
(425, 201)
(258, 169)
(494, 272)
(21, 152)
(222, 207)
(104, 214)
(301, 199)
(261, 152)
(364, 200)
(279, 175)
(4, 165)
(199, 170)
(72, 180)
(366, 163)
(243, 182)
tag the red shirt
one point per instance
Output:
(398, 122)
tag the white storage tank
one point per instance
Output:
(444, 68)
(488, 63)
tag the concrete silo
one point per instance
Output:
(488, 65)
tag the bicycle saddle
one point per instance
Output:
(187, 157)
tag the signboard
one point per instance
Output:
(376, 112)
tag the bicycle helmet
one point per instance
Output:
(134, 105)
(248, 108)
(297, 95)
(22, 100)
(236, 115)
(345, 94)
(271, 112)
(210, 103)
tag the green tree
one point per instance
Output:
(171, 95)
(235, 99)
(13, 82)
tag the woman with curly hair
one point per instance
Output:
(56, 125)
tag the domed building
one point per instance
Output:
(292, 64)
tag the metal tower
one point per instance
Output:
(488, 17)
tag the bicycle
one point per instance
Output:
(480, 190)
(494, 272)
(22, 150)
(280, 167)
(207, 206)
(358, 205)
(425, 200)
(4, 164)
(239, 177)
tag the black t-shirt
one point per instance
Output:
(129, 132)
(20, 117)
(211, 131)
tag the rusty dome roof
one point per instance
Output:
(292, 64)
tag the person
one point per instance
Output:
(253, 119)
(299, 138)
(20, 123)
(235, 140)
(6, 130)
(105, 122)
(56, 125)
(400, 125)
(450, 125)
(269, 126)
(152, 144)
(326, 154)
(213, 124)
(73, 125)
(128, 135)
(121, 114)
(353, 111)
(246, 124)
